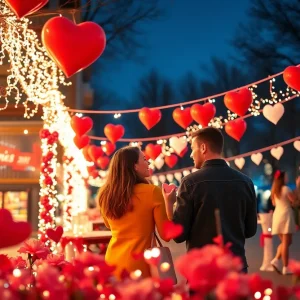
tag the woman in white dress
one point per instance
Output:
(283, 223)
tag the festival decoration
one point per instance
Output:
(55, 234)
(66, 43)
(23, 8)
(238, 102)
(149, 117)
(95, 152)
(297, 145)
(236, 128)
(257, 158)
(291, 76)
(203, 114)
(178, 144)
(159, 162)
(273, 113)
(182, 117)
(81, 141)
(153, 151)
(108, 148)
(168, 188)
(239, 162)
(277, 152)
(103, 162)
(81, 126)
(114, 132)
(171, 160)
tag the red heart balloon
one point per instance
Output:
(55, 234)
(73, 47)
(171, 160)
(103, 162)
(86, 154)
(81, 125)
(109, 148)
(95, 152)
(114, 132)
(153, 151)
(182, 117)
(172, 230)
(12, 233)
(81, 141)
(236, 128)
(291, 76)
(203, 114)
(149, 117)
(22, 8)
(238, 102)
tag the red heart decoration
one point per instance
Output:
(171, 160)
(12, 233)
(95, 152)
(149, 117)
(109, 148)
(172, 230)
(153, 151)
(238, 102)
(203, 114)
(291, 76)
(81, 141)
(73, 47)
(183, 117)
(168, 188)
(81, 125)
(86, 154)
(236, 128)
(22, 8)
(103, 162)
(114, 132)
(55, 234)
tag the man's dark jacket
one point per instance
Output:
(216, 186)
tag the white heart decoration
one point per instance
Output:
(277, 152)
(273, 113)
(297, 145)
(159, 162)
(178, 144)
(154, 179)
(257, 158)
(178, 176)
(186, 172)
(239, 162)
(170, 177)
(162, 178)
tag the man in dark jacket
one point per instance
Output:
(215, 186)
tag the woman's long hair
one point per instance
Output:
(115, 195)
(278, 183)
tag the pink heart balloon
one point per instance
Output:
(168, 188)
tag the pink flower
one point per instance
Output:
(233, 287)
(295, 267)
(35, 248)
(56, 260)
(18, 262)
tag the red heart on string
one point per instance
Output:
(55, 234)
(153, 151)
(149, 117)
(171, 160)
(236, 128)
(183, 152)
(86, 154)
(172, 230)
(203, 114)
(22, 8)
(94, 174)
(81, 125)
(81, 141)
(238, 102)
(114, 132)
(103, 162)
(67, 43)
(291, 76)
(182, 117)
(109, 148)
(12, 233)
(168, 188)
(95, 152)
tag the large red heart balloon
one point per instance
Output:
(12, 233)
(149, 117)
(55, 234)
(109, 148)
(81, 141)
(85, 152)
(73, 47)
(238, 102)
(172, 230)
(236, 128)
(152, 151)
(81, 125)
(23, 8)
(95, 152)
(114, 132)
(182, 117)
(171, 160)
(103, 162)
(291, 76)
(203, 114)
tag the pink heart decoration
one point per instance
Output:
(273, 113)
(55, 234)
(178, 144)
(168, 188)
(172, 230)
(277, 152)
(12, 233)
(257, 158)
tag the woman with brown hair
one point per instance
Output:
(131, 208)
(283, 223)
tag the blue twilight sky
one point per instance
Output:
(191, 32)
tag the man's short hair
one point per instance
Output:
(211, 136)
